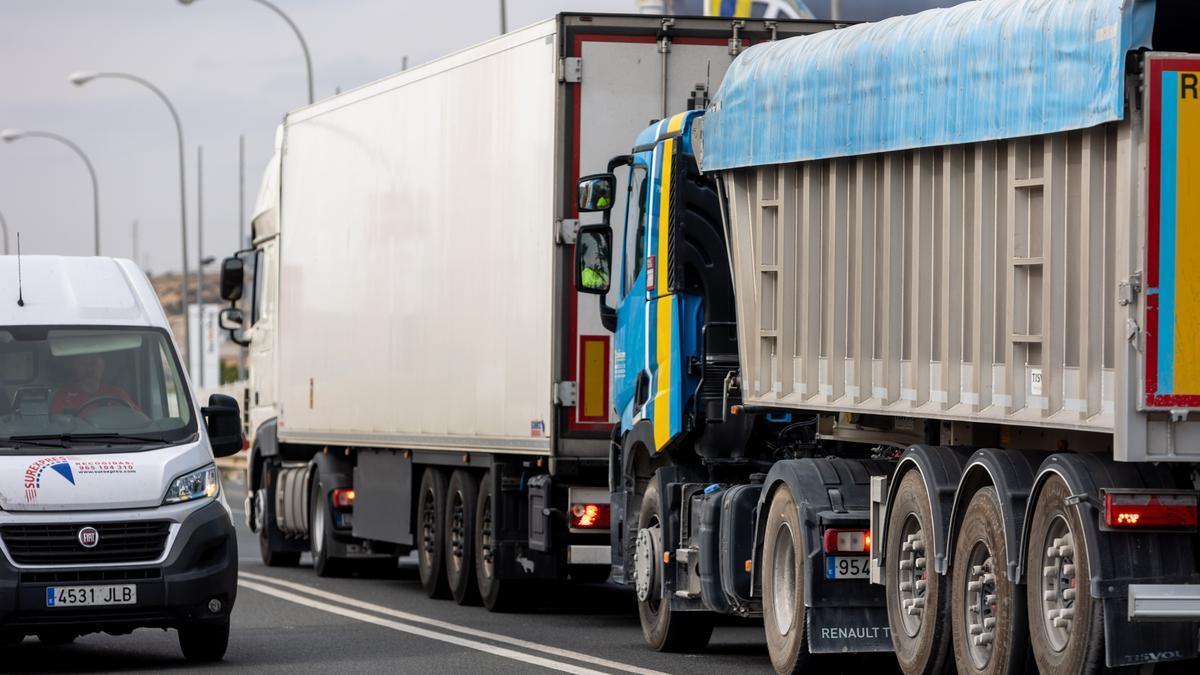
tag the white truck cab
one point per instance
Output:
(111, 510)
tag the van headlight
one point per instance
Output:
(195, 485)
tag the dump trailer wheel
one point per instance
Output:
(1066, 626)
(461, 498)
(497, 594)
(431, 531)
(784, 617)
(320, 531)
(664, 630)
(987, 609)
(916, 598)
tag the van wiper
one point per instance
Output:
(64, 439)
(37, 441)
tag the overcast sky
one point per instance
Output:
(231, 67)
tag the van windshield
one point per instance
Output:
(90, 387)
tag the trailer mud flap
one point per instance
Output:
(1133, 644)
(848, 629)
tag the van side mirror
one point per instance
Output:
(597, 192)
(593, 259)
(232, 272)
(223, 419)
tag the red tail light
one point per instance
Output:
(343, 498)
(847, 541)
(589, 516)
(1141, 510)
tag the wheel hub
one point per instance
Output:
(485, 540)
(1058, 584)
(645, 562)
(981, 604)
(457, 532)
(260, 508)
(427, 525)
(913, 575)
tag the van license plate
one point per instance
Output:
(87, 596)
(847, 567)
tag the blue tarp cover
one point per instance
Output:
(974, 72)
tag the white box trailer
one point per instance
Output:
(414, 322)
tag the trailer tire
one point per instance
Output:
(990, 638)
(663, 629)
(497, 594)
(1077, 646)
(921, 638)
(431, 530)
(783, 556)
(461, 505)
(320, 532)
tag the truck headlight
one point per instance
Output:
(195, 485)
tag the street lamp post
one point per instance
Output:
(81, 78)
(11, 135)
(299, 36)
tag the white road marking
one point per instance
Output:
(422, 632)
(445, 625)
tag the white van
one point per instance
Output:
(111, 510)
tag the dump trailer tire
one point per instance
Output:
(1066, 624)
(916, 596)
(663, 629)
(461, 506)
(431, 533)
(987, 608)
(783, 557)
(497, 594)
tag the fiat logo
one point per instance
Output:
(89, 537)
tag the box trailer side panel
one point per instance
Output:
(416, 280)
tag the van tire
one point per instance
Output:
(431, 533)
(204, 642)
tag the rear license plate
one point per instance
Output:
(88, 596)
(847, 567)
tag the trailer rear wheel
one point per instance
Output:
(460, 544)
(783, 559)
(987, 611)
(431, 529)
(916, 599)
(663, 629)
(498, 594)
(1066, 626)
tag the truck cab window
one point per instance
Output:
(635, 226)
(256, 283)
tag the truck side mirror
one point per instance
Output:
(231, 279)
(593, 260)
(232, 319)
(596, 192)
(223, 419)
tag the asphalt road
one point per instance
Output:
(289, 620)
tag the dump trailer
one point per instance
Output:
(422, 375)
(906, 349)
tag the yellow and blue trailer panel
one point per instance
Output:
(1172, 367)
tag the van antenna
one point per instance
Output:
(20, 290)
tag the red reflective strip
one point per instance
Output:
(1133, 511)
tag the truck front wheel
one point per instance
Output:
(320, 532)
(1065, 623)
(916, 599)
(264, 515)
(431, 532)
(783, 585)
(664, 630)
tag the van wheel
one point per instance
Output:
(204, 642)
(460, 530)
(320, 530)
(664, 630)
(783, 585)
(916, 599)
(56, 638)
(1066, 626)
(498, 594)
(987, 613)
(431, 525)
